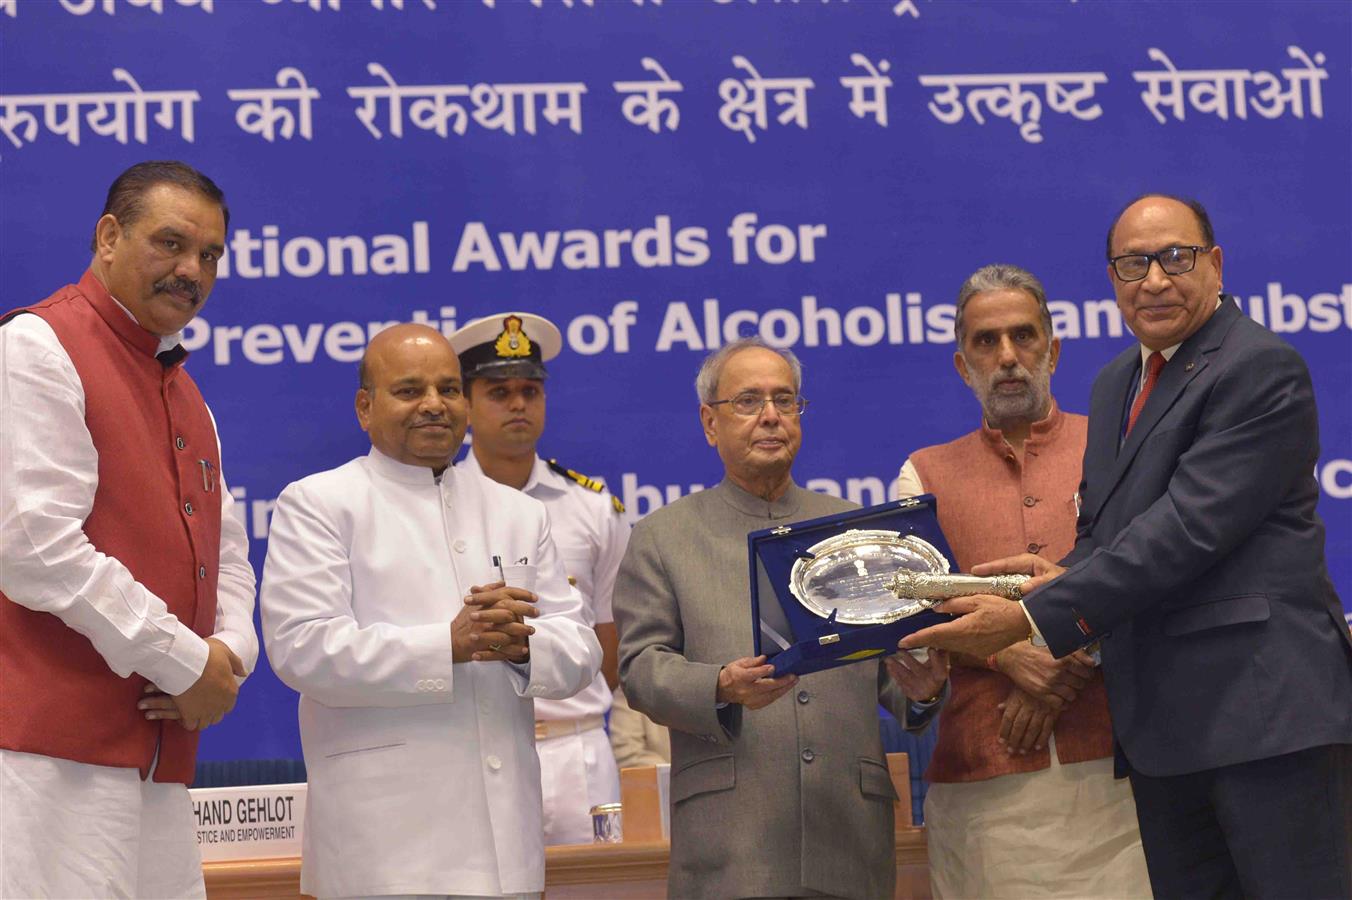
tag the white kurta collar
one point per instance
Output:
(402, 472)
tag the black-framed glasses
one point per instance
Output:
(751, 404)
(1172, 260)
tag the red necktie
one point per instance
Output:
(1153, 364)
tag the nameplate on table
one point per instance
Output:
(257, 822)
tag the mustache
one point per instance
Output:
(182, 285)
(1017, 371)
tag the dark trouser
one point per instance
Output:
(1278, 827)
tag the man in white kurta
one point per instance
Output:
(502, 359)
(416, 682)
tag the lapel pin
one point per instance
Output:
(1189, 367)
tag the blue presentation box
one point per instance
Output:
(816, 642)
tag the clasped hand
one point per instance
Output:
(1043, 688)
(492, 625)
(207, 701)
(1054, 682)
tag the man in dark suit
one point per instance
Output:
(1199, 567)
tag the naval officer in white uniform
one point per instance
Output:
(417, 670)
(502, 359)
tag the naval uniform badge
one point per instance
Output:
(513, 342)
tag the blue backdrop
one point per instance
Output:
(660, 176)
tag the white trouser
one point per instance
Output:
(70, 829)
(1065, 831)
(577, 772)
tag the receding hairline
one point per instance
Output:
(126, 195)
(994, 277)
(728, 353)
(173, 227)
(403, 333)
(753, 348)
(1199, 214)
(1022, 292)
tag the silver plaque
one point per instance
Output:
(851, 574)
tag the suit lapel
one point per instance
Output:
(1105, 415)
(1189, 362)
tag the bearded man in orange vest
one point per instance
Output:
(126, 594)
(1022, 801)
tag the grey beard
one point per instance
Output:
(1025, 407)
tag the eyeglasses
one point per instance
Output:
(751, 404)
(1172, 260)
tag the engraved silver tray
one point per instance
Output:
(851, 574)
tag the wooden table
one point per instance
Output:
(636, 868)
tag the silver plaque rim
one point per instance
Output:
(888, 608)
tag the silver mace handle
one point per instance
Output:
(930, 588)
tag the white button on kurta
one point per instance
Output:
(578, 768)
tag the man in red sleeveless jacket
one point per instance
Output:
(126, 594)
(1022, 801)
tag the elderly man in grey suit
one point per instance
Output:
(769, 799)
